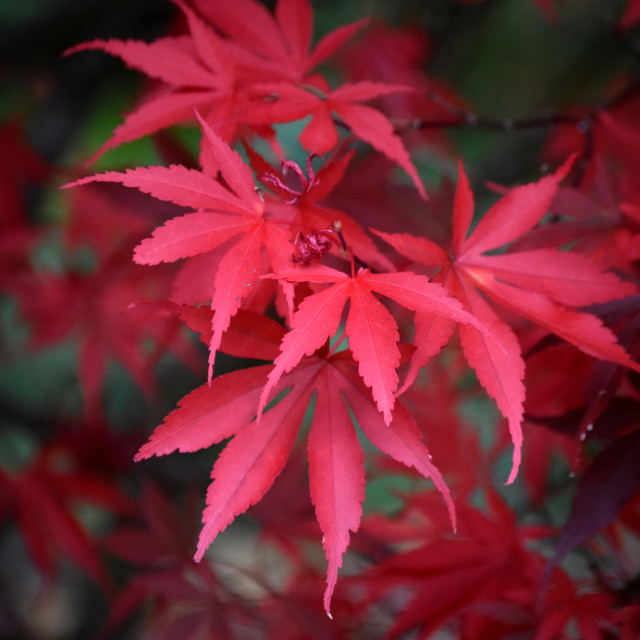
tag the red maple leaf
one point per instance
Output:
(600, 221)
(233, 217)
(371, 329)
(180, 598)
(209, 72)
(286, 102)
(544, 285)
(485, 566)
(268, 46)
(251, 461)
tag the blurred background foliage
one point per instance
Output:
(506, 59)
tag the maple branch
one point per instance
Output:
(466, 118)
(470, 119)
(584, 125)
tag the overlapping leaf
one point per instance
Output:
(258, 75)
(544, 285)
(371, 329)
(275, 46)
(234, 215)
(284, 102)
(485, 565)
(258, 452)
(213, 73)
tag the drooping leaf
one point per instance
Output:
(336, 475)
(257, 453)
(250, 463)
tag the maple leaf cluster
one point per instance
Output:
(348, 304)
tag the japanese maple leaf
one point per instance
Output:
(371, 329)
(544, 285)
(234, 215)
(90, 309)
(611, 480)
(88, 305)
(159, 546)
(485, 563)
(286, 102)
(257, 453)
(211, 73)
(274, 45)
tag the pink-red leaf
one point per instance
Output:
(369, 324)
(250, 463)
(236, 173)
(563, 276)
(316, 320)
(499, 366)
(295, 18)
(189, 235)
(373, 337)
(209, 414)
(336, 475)
(237, 273)
(373, 127)
(584, 330)
(186, 187)
(511, 216)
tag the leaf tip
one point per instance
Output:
(199, 554)
(328, 594)
(515, 465)
(203, 543)
(453, 516)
